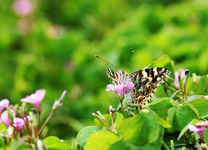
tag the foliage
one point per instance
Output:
(149, 128)
(53, 48)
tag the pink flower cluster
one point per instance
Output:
(23, 7)
(179, 75)
(199, 127)
(18, 122)
(121, 89)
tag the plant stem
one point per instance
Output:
(46, 121)
(184, 92)
(205, 86)
(165, 146)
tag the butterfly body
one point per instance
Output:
(145, 82)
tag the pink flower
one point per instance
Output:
(4, 103)
(121, 89)
(182, 75)
(22, 7)
(18, 123)
(200, 126)
(35, 98)
(5, 118)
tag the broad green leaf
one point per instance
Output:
(201, 85)
(206, 136)
(184, 115)
(140, 129)
(190, 87)
(163, 113)
(165, 62)
(51, 140)
(102, 139)
(123, 145)
(2, 144)
(17, 145)
(163, 122)
(119, 119)
(85, 133)
(170, 119)
(193, 97)
(201, 105)
(57, 146)
(162, 103)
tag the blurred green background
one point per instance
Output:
(53, 47)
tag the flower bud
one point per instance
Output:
(33, 119)
(58, 103)
(111, 109)
(10, 130)
(40, 145)
(98, 115)
(186, 76)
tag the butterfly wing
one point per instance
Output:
(145, 83)
(117, 78)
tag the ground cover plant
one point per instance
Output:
(175, 118)
(51, 44)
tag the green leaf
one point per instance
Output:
(165, 62)
(163, 122)
(57, 146)
(206, 136)
(102, 139)
(201, 85)
(162, 103)
(123, 145)
(85, 133)
(18, 145)
(119, 119)
(51, 140)
(184, 115)
(170, 119)
(140, 129)
(2, 144)
(201, 105)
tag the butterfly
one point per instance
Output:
(145, 82)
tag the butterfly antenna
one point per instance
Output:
(132, 52)
(106, 61)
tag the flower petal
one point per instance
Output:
(110, 87)
(4, 103)
(193, 128)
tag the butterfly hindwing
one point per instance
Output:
(145, 82)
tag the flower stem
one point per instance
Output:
(27, 127)
(46, 121)
(184, 92)
(165, 146)
(205, 86)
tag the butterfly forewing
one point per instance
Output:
(145, 82)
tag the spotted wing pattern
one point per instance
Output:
(145, 82)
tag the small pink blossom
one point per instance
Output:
(23, 7)
(182, 75)
(121, 89)
(35, 98)
(4, 103)
(18, 123)
(200, 127)
(5, 118)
